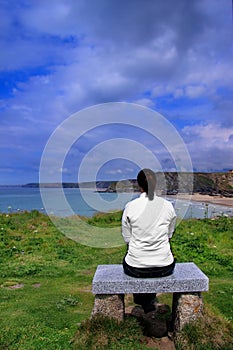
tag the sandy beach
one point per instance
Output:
(197, 197)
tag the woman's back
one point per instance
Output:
(147, 225)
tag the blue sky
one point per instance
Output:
(60, 56)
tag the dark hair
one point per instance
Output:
(147, 181)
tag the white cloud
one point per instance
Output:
(67, 55)
(211, 134)
(179, 92)
(210, 146)
(145, 102)
(193, 91)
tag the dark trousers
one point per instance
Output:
(146, 300)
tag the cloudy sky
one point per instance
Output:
(61, 56)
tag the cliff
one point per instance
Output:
(169, 182)
(172, 183)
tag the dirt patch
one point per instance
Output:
(154, 326)
(17, 286)
(164, 343)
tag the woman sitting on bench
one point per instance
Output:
(148, 223)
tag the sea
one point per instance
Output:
(87, 202)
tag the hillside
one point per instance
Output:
(205, 183)
(46, 286)
(172, 182)
(169, 182)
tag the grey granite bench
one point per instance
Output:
(110, 284)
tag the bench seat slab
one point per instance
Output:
(111, 279)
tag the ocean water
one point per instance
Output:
(88, 202)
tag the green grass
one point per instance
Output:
(107, 334)
(51, 307)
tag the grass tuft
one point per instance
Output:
(106, 333)
(210, 332)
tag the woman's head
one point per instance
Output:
(147, 181)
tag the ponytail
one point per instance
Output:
(147, 181)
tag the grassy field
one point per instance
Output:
(45, 286)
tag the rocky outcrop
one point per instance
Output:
(172, 183)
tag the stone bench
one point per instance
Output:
(110, 284)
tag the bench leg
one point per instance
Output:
(186, 307)
(111, 305)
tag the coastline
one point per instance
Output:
(205, 198)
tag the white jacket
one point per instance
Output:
(147, 226)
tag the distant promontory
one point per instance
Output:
(170, 183)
